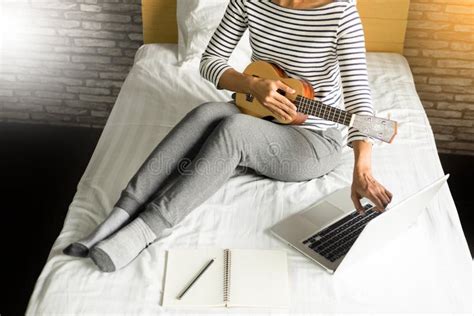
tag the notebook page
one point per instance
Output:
(181, 267)
(258, 278)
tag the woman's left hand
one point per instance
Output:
(365, 185)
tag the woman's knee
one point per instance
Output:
(234, 131)
(211, 110)
(238, 122)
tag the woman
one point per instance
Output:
(319, 40)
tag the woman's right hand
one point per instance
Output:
(265, 90)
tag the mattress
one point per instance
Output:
(427, 268)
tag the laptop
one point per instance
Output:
(332, 233)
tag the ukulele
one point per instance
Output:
(379, 128)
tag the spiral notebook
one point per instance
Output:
(237, 278)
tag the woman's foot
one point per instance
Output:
(121, 248)
(116, 219)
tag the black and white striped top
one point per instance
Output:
(324, 45)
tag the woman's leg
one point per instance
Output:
(282, 152)
(179, 146)
(176, 150)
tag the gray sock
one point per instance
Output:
(121, 248)
(116, 219)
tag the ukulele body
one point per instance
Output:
(248, 104)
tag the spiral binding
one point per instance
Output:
(227, 264)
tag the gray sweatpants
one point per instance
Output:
(204, 150)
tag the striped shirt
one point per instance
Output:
(324, 46)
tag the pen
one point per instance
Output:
(194, 279)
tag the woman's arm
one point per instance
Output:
(214, 60)
(215, 68)
(233, 80)
(363, 183)
(358, 100)
(353, 69)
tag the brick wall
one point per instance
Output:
(439, 46)
(64, 61)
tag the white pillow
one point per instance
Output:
(197, 21)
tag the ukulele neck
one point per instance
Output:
(321, 110)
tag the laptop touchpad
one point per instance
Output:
(322, 213)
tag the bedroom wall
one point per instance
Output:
(439, 46)
(64, 61)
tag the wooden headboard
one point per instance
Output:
(384, 21)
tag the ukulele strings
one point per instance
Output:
(315, 108)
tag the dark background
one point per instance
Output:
(41, 167)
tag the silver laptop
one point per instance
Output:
(332, 233)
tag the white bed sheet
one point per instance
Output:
(426, 269)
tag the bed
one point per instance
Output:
(427, 268)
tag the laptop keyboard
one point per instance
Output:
(335, 240)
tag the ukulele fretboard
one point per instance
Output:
(321, 110)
